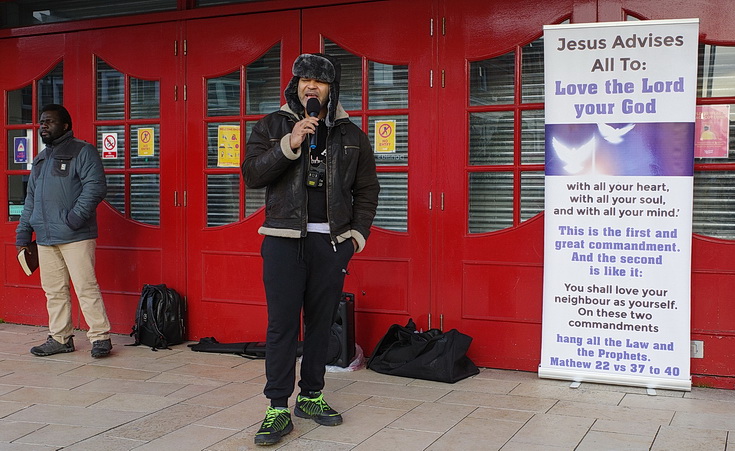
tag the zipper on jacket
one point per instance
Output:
(326, 194)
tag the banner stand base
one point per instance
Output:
(649, 383)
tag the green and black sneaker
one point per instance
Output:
(317, 409)
(277, 423)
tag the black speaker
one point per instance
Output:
(342, 340)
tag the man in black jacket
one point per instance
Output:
(321, 200)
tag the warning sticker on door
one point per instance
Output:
(228, 146)
(109, 146)
(145, 142)
(385, 136)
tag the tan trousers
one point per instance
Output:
(57, 264)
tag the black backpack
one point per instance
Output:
(159, 320)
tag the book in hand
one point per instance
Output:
(28, 258)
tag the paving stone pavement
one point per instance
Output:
(181, 400)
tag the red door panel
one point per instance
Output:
(390, 278)
(489, 285)
(713, 260)
(224, 276)
(131, 253)
(21, 299)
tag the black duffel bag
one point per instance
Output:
(430, 355)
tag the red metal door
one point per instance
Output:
(386, 58)
(235, 68)
(114, 88)
(21, 299)
(488, 274)
(122, 81)
(713, 248)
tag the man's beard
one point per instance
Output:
(47, 139)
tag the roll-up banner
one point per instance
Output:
(620, 114)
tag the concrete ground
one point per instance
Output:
(183, 400)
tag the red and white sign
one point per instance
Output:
(109, 145)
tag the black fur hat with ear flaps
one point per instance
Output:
(317, 66)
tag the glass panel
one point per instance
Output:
(16, 13)
(223, 199)
(533, 135)
(492, 80)
(51, 87)
(108, 160)
(223, 95)
(350, 85)
(491, 201)
(491, 138)
(263, 83)
(254, 200)
(24, 139)
(17, 185)
(249, 128)
(20, 105)
(145, 146)
(400, 156)
(532, 71)
(214, 141)
(716, 71)
(714, 204)
(392, 211)
(357, 120)
(145, 198)
(388, 86)
(145, 98)
(532, 194)
(110, 92)
(116, 192)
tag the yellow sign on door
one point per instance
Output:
(228, 146)
(385, 136)
(146, 138)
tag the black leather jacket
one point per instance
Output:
(352, 182)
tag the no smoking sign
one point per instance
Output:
(109, 145)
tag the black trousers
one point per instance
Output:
(300, 274)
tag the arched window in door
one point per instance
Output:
(230, 107)
(714, 178)
(23, 106)
(506, 139)
(128, 130)
(376, 97)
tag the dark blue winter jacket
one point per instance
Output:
(67, 183)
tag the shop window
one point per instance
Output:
(380, 110)
(128, 139)
(19, 13)
(23, 111)
(230, 107)
(506, 139)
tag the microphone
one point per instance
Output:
(312, 109)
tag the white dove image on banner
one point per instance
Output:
(620, 113)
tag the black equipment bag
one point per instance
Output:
(248, 349)
(430, 355)
(159, 319)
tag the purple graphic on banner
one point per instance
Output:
(665, 149)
